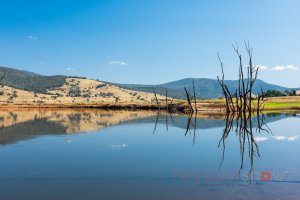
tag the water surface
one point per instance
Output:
(93, 154)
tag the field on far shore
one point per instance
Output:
(272, 103)
(283, 103)
(206, 106)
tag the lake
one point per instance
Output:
(101, 154)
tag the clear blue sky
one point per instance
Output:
(150, 41)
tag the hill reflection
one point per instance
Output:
(24, 124)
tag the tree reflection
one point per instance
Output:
(244, 131)
(244, 125)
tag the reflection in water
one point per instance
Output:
(129, 159)
(25, 124)
(68, 121)
(244, 131)
(35, 122)
(244, 126)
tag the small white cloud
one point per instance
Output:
(261, 67)
(279, 137)
(293, 138)
(42, 62)
(117, 63)
(287, 67)
(70, 69)
(260, 139)
(31, 37)
(278, 67)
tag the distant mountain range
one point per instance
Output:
(205, 88)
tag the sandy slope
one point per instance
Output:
(77, 91)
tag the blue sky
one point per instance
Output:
(150, 41)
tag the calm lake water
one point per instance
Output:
(92, 154)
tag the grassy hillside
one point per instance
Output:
(205, 88)
(29, 81)
(23, 87)
(77, 91)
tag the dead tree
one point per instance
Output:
(228, 96)
(195, 99)
(253, 72)
(188, 98)
(260, 101)
(244, 106)
(167, 99)
(244, 92)
(156, 99)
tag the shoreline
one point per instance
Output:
(206, 106)
(179, 107)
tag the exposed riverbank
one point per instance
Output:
(205, 106)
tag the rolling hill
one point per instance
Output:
(23, 87)
(29, 81)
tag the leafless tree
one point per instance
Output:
(244, 93)
(194, 92)
(156, 99)
(167, 99)
(188, 98)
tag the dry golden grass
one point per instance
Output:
(91, 92)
